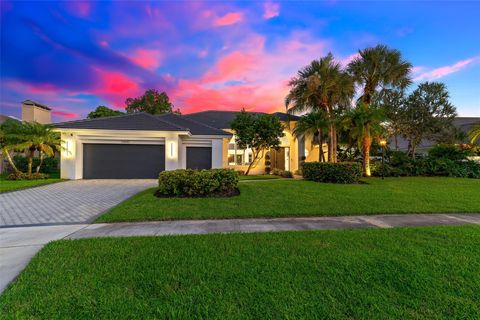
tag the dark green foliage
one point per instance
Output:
(451, 152)
(49, 165)
(151, 102)
(197, 183)
(24, 176)
(342, 172)
(282, 173)
(102, 111)
(399, 273)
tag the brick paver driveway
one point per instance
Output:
(66, 202)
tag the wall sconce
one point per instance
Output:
(172, 150)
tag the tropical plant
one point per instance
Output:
(102, 111)
(151, 102)
(393, 102)
(322, 85)
(257, 132)
(429, 115)
(474, 134)
(374, 68)
(313, 124)
(364, 124)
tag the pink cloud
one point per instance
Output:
(271, 10)
(65, 115)
(229, 19)
(146, 58)
(80, 8)
(445, 71)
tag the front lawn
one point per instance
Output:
(284, 198)
(259, 177)
(11, 185)
(405, 273)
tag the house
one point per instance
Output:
(140, 145)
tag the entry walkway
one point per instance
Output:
(19, 244)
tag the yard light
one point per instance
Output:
(383, 143)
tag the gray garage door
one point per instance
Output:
(122, 161)
(199, 157)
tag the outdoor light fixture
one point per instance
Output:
(382, 144)
(172, 152)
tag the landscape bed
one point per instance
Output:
(289, 198)
(404, 273)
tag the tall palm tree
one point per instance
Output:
(322, 85)
(314, 123)
(10, 140)
(41, 138)
(374, 68)
(363, 121)
(474, 134)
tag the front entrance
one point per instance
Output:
(280, 158)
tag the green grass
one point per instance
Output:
(287, 198)
(11, 185)
(259, 177)
(405, 273)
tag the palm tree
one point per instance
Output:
(322, 85)
(377, 67)
(313, 123)
(41, 138)
(10, 141)
(474, 134)
(362, 122)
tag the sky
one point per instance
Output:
(214, 55)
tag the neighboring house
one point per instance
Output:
(462, 125)
(140, 145)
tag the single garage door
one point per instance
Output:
(122, 161)
(199, 157)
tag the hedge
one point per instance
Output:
(49, 165)
(342, 172)
(197, 183)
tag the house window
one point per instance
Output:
(238, 156)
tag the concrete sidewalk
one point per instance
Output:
(19, 244)
(178, 227)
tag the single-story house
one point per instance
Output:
(140, 145)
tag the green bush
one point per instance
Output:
(282, 173)
(24, 176)
(49, 165)
(197, 183)
(451, 152)
(342, 172)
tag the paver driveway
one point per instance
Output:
(66, 202)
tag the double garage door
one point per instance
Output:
(135, 161)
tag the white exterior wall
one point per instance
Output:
(71, 159)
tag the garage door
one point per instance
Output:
(199, 157)
(122, 161)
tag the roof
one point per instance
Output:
(143, 121)
(222, 119)
(4, 118)
(37, 104)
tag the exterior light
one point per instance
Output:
(383, 143)
(172, 150)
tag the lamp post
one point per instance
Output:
(383, 143)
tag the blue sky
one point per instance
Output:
(74, 56)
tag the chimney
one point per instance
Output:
(34, 111)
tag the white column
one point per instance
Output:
(71, 157)
(217, 153)
(173, 147)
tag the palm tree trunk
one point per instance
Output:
(41, 162)
(366, 144)
(335, 144)
(396, 143)
(321, 156)
(331, 143)
(10, 161)
(30, 161)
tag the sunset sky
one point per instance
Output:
(74, 56)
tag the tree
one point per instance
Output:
(102, 111)
(257, 132)
(10, 132)
(362, 122)
(151, 102)
(474, 134)
(393, 102)
(429, 114)
(322, 85)
(315, 124)
(374, 68)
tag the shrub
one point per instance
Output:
(343, 172)
(451, 152)
(282, 173)
(24, 176)
(268, 164)
(197, 183)
(49, 165)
